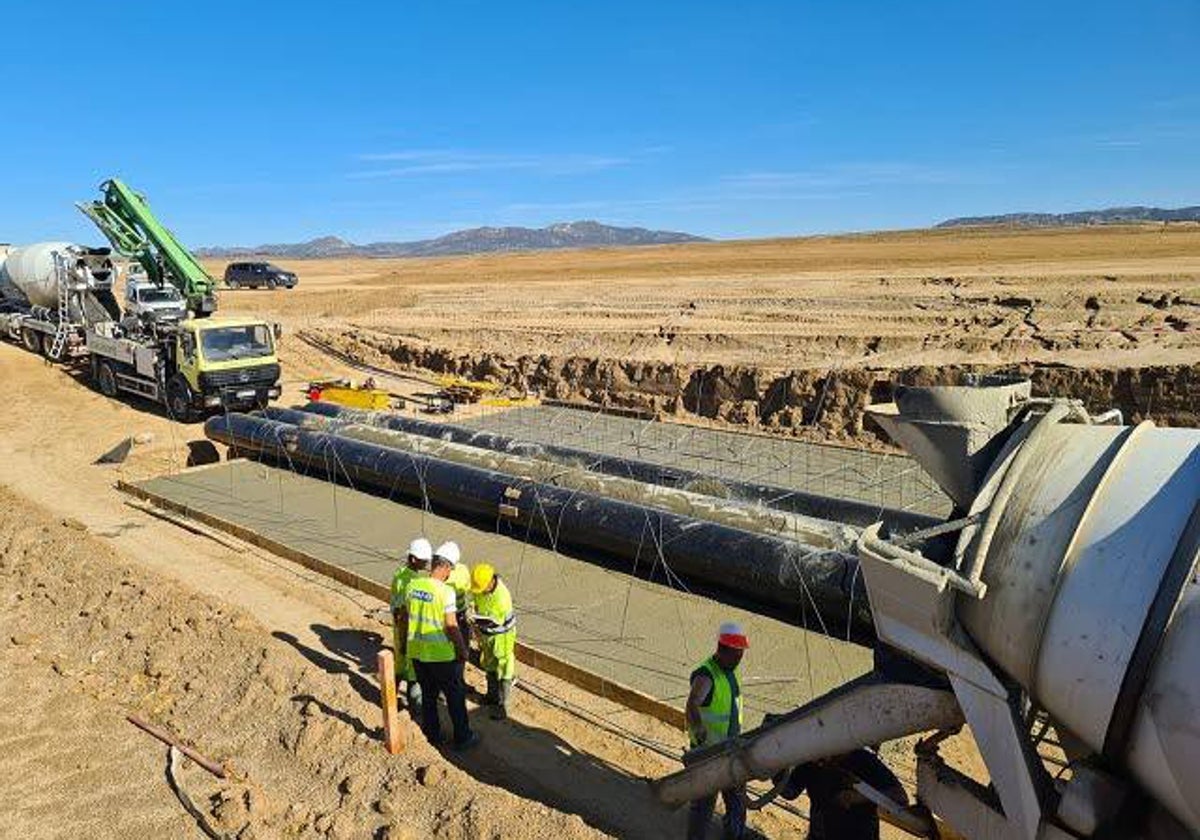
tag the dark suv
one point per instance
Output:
(257, 275)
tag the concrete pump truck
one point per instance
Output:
(57, 298)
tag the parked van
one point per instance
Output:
(258, 275)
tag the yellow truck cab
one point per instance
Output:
(227, 363)
(192, 368)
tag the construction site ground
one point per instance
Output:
(641, 634)
(108, 609)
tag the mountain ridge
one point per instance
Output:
(480, 240)
(1105, 216)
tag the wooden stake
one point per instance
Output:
(393, 730)
(171, 739)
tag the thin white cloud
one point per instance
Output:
(1118, 143)
(416, 162)
(847, 176)
(705, 199)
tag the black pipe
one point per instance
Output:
(765, 569)
(846, 511)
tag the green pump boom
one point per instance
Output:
(124, 217)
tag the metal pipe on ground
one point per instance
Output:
(847, 511)
(765, 569)
(756, 518)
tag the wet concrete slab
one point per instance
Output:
(640, 634)
(877, 478)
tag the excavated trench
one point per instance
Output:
(821, 403)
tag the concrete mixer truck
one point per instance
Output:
(1061, 602)
(57, 299)
(51, 291)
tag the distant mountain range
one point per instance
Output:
(481, 240)
(1109, 216)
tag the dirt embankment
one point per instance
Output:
(826, 402)
(85, 637)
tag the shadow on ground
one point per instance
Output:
(530, 761)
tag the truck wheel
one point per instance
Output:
(48, 348)
(106, 379)
(32, 340)
(271, 285)
(179, 400)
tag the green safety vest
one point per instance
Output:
(497, 606)
(427, 639)
(460, 582)
(497, 636)
(722, 714)
(400, 581)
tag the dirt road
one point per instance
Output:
(108, 609)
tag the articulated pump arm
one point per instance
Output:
(124, 217)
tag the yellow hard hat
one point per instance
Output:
(481, 577)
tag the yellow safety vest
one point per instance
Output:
(400, 581)
(722, 714)
(497, 606)
(427, 639)
(460, 582)
(497, 636)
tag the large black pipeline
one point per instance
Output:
(759, 567)
(759, 519)
(846, 511)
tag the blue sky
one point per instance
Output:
(254, 122)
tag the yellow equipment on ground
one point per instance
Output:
(344, 392)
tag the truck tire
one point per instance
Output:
(179, 400)
(271, 284)
(32, 340)
(106, 379)
(48, 348)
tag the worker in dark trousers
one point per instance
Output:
(838, 810)
(435, 645)
(420, 552)
(714, 714)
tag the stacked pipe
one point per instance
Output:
(764, 568)
(848, 511)
(816, 533)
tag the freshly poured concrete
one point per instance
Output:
(643, 635)
(894, 481)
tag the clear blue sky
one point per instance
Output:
(249, 122)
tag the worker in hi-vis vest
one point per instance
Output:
(420, 552)
(714, 714)
(460, 582)
(497, 627)
(435, 645)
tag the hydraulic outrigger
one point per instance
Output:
(124, 217)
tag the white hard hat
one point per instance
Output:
(448, 551)
(732, 635)
(421, 549)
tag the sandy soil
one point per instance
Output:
(789, 336)
(108, 609)
(1073, 296)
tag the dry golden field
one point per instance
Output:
(1078, 296)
